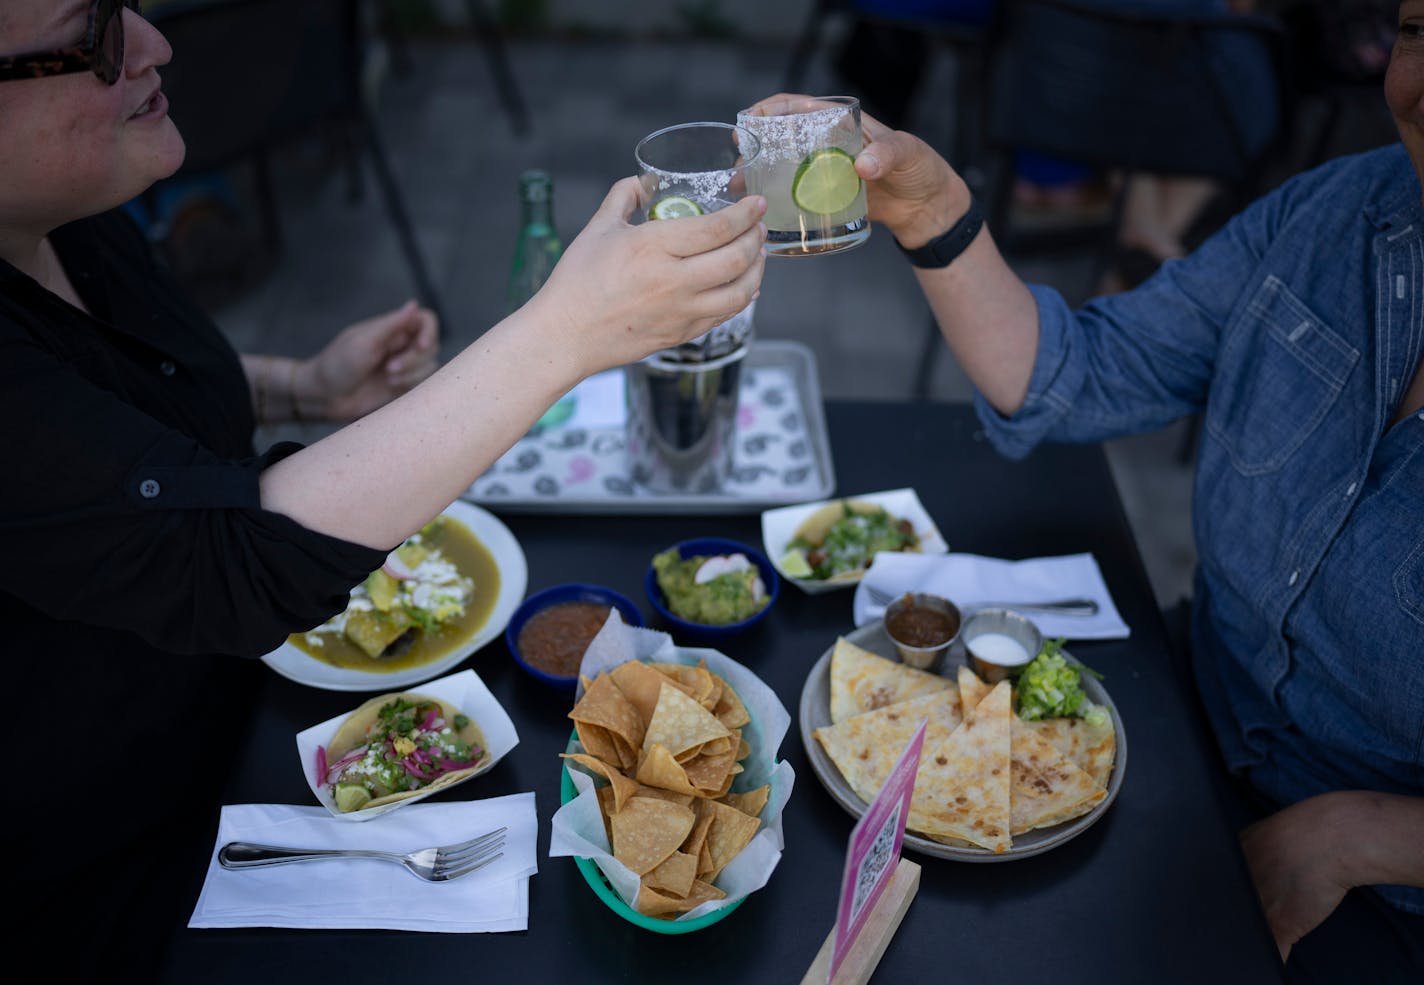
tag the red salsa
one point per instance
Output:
(554, 639)
(918, 625)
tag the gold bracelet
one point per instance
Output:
(292, 389)
(259, 388)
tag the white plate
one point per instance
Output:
(816, 712)
(303, 668)
(778, 526)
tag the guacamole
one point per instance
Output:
(714, 591)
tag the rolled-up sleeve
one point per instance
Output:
(114, 519)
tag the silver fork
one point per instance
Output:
(1061, 607)
(439, 864)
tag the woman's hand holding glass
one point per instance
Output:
(623, 291)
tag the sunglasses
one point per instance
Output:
(101, 52)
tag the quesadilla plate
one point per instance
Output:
(1089, 759)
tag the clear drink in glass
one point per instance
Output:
(806, 172)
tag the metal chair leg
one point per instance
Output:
(395, 208)
(493, 42)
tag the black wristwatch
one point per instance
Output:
(945, 248)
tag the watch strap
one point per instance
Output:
(945, 248)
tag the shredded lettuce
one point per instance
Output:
(1051, 687)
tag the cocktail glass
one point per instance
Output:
(806, 171)
(694, 168)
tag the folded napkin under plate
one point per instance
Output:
(373, 893)
(969, 580)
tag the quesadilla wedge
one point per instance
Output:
(1045, 787)
(861, 681)
(396, 746)
(1090, 744)
(866, 747)
(962, 790)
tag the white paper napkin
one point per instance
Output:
(969, 580)
(373, 893)
(577, 827)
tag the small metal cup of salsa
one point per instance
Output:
(922, 627)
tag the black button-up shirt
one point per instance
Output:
(133, 552)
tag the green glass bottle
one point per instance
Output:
(535, 254)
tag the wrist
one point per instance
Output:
(935, 217)
(307, 391)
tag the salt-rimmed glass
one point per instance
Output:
(814, 140)
(696, 168)
(701, 163)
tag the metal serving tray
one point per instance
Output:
(782, 455)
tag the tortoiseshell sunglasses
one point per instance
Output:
(101, 52)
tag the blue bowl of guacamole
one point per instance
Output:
(723, 604)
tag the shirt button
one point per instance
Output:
(167, 368)
(1351, 491)
(1295, 576)
(149, 488)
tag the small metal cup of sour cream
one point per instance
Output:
(999, 642)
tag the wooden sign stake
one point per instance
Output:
(880, 926)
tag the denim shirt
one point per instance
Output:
(1295, 332)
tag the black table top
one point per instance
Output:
(1156, 890)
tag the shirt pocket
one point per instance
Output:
(1279, 372)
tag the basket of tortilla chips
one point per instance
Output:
(671, 787)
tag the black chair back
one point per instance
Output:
(1137, 89)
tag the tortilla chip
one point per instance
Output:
(866, 747)
(655, 904)
(604, 705)
(861, 681)
(685, 799)
(751, 802)
(1045, 787)
(623, 788)
(675, 874)
(971, 689)
(698, 835)
(729, 833)
(679, 723)
(646, 831)
(962, 788)
(640, 684)
(730, 711)
(1091, 747)
(659, 769)
(710, 773)
(697, 682)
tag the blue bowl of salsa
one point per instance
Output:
(550, 630)
(713, 547)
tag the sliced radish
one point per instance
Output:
(714, 567)
(397, 568)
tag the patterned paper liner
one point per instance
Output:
(774, 459)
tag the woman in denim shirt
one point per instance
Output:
(1298, 332)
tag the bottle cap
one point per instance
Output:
(536, 186)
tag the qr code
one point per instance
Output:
(874, 863)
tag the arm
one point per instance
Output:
(619, 293)
(917, 196)
(1305, 858)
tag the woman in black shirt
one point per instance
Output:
(140, 531)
